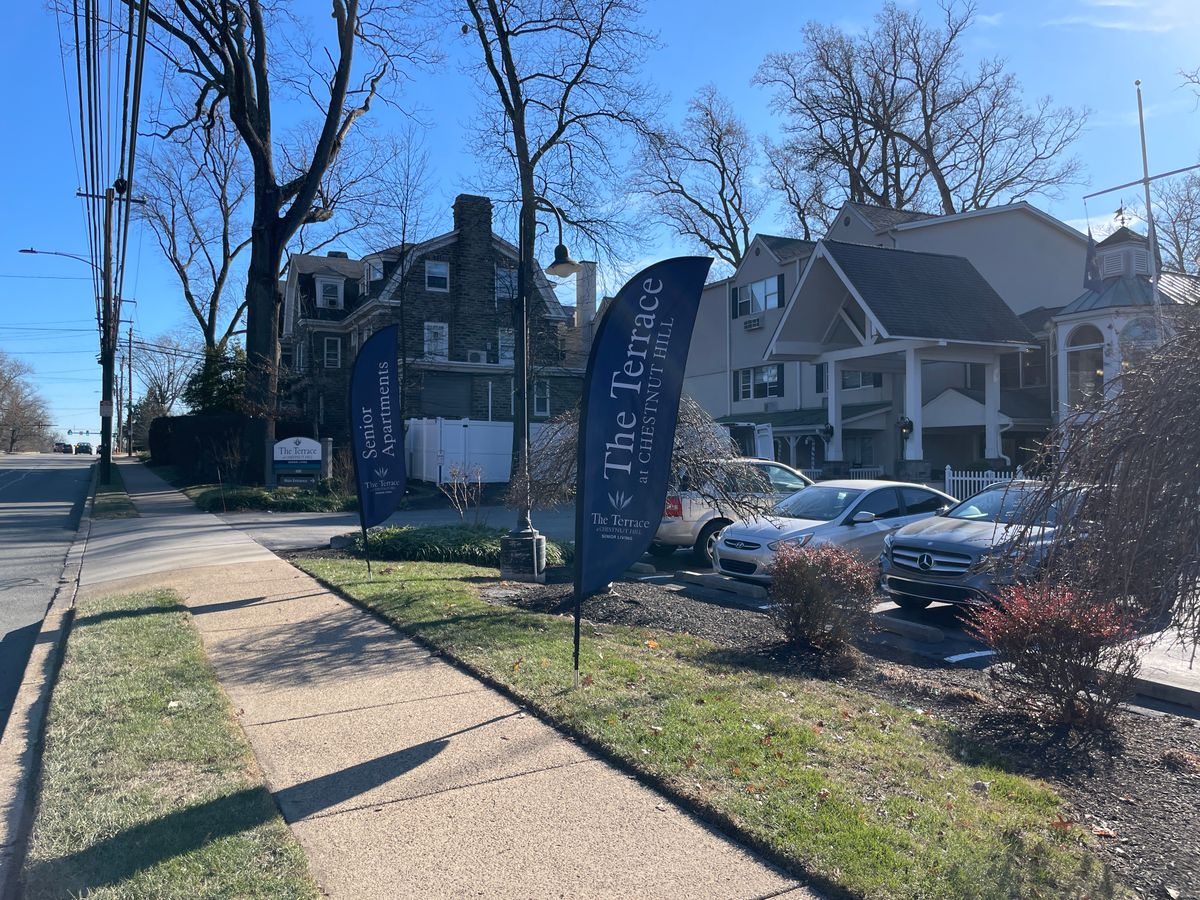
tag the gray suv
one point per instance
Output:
(966, 554)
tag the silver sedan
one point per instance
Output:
(857, 515)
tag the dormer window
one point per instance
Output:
(329, 292)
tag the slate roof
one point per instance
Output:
(786, 248)
(804, 418)
(928, 295)
(1037, 319)
(1122, 234)
(1134, 290)
(881, 218)
(306, 264)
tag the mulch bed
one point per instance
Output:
(1137, 788)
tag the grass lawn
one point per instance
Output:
(112, 502)
(149, 788)
(863, 795)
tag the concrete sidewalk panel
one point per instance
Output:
(581, 831)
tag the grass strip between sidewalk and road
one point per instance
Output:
(112, 501)
(868, 798)
(148, 786)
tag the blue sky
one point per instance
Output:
(1082, 52)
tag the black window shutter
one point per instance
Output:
(779, 375)
(877, 379)
(781, 299)
(733, 302)
(735, 385)
(820, 373)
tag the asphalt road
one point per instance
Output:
(41, 499)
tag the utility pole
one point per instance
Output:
(107, 347)
(129, 392)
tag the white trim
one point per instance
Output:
(320, 282)
(437, 262)
(546, 384)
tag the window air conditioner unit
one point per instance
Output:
(752, 322)
(477, 356)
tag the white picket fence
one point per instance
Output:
(963, 484)
(862, 473)
(436, 446)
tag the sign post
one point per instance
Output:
(377, 431)
(627, 419)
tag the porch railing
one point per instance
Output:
(964, 484)
(861, 473)
(814, 474)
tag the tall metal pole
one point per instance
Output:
(129, 393)
(1151, 235)
(107, 348)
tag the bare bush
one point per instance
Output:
(1121, 481)
(1065, 658)
(464, 490)
(821, 596)
(699, 458)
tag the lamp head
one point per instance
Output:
(563, 265)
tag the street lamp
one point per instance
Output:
(523, 550)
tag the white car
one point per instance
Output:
(857, 515)
(691, 520)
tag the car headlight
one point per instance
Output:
(800, 541)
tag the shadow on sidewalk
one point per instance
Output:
(123, 855)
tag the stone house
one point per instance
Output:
(453, 297)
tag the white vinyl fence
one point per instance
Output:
(862, 473)
(435, 446)
(963, 484)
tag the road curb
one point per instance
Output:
(1167, 691)
(21, 745)
(915, 630)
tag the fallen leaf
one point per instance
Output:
(652, 644)
(779, 754)
(737, 770)
(517, 664)
(846, 715)
(1062, 824)
(588, 680)
(175, 704)
(1172, 893)
(1103, 832)
(823, 794)
(690, 762)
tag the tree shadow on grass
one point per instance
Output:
(124, 855)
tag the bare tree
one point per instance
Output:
(196, 186)
(808, 192)
(700, 459)
(24, 417)
(1121, 487)
(701, 177)
(242, 56)
(906, 123)
(1177, 222)
(164, 366)
(562, 82)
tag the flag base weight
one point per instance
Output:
(523, 556)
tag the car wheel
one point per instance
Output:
(911, 603)
(707, 540)
(662, 551)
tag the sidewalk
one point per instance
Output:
(400, 775)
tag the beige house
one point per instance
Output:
(900, 341)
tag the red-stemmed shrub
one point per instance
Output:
(1065, 657)
(821, 596)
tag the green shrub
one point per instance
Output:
(237, 498)
(476, 545)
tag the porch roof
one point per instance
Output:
(805, 418)
(927, 296)
(1135, 290)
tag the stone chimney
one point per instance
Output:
(585, 302)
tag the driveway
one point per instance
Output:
(304, 531)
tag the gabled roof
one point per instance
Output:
(1019, 206)
(1135, 290)
(786, 248)
(1037, 319)
(881, 218)
(927, 295)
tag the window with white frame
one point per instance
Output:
(506, 283)
(852, 379)
(756, 297)
(333, 353)
(758, 382)
(437, 340)
(506, 346)
(329, 293)
(437, 275)
(374, 269)
(541, 398)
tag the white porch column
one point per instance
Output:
(991, 410)
(914, 447)
(833, 388)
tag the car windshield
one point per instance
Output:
(818, 502)
(1003, 505)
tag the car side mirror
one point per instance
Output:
(863, 518)
(942, 510)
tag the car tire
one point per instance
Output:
(662, 551)
(913, 604)
(707, 540)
